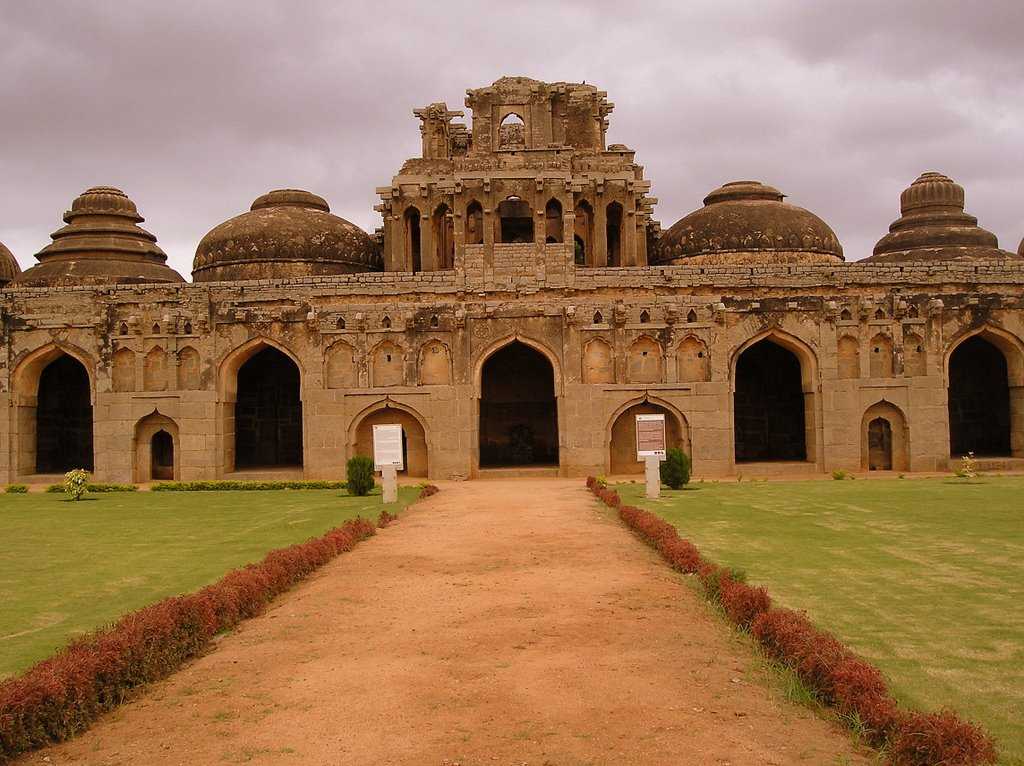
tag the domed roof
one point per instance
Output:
(101, 244)
(9, 268)
(934, 227)
(747, 222)
(286, 233)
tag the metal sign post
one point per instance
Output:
(387, 457)
(650, 448)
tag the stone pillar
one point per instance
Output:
(628, 243)
(428, 256)
(600, 232)
(652, 474)
(389, 480)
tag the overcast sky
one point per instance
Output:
(196, 108)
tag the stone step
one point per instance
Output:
(520, 472)
(776, 469)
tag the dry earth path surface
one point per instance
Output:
(500, 622)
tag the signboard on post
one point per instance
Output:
(387, 447)
(650, 437)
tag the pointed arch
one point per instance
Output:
(154, 370)
(598, 361)
(620, 432)
(583, 233)
(880, 364)
(122, 370)
(984, 369)
(848, 353)
(474, 223)
(553, 229)
(885, 438)
(154, 458)
(915, 355)
(387, 365)
(435, 364)
(749, 401)
(443, 230)
(340, 366)
(189, 369)
(644, 361)
(483, 355)
(232, 361)
(411, 227)
(693, 364)
(416, 444)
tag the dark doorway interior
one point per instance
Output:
(769, 405)
(162, 448)
(268, 412)
(614, 228)
(518, 412)
(979, 400)
(516, 221)
(412, 239)
(879, 445)
(63, 418)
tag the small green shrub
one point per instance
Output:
(839, 474)
(16, 489)
(76, 483)
(601, 482)
(360, 475)
(675, 469)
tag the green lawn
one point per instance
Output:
(67, 568)
(923, 577)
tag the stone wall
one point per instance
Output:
(172, 352)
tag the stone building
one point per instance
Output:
(515, 311)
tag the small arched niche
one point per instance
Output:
(643, 361)
(156, 449)
(885, 443)
(881, 356)
(598, 362)
(386, 368)
(692, 363)
(435, 364)
(848, 358)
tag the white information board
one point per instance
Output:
(650, 436)
(387, 447)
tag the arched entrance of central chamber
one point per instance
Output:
(773, 411)
(518, 409)
(622, 436)
(414, 437)
(156, 439)
(63, 417)
(268, 412)
(980, 415)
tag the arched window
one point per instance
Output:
(188, 328)
(613, 221)
(691, 316)
(474, 223)
(386, 322)
(915, 357)
(516, 220)
(598, 319)
(154, 370)
(645, 316)
(444, 238)
(512, 132)
(881, 356)
(692, 361)
(845, 315)
(644, 361)
(412, 240)
(553, 221)
(848, 351)
(879, 314)
(583, 233)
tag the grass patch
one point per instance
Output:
(923, 578)
(67, 568)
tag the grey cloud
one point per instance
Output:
(197, 108)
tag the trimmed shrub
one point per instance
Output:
(61, 696)
(16, 489)
(427, 490)
(385, 519)
(675, 469)
(926, 739)
(833, 673)
(360, 475)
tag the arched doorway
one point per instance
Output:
(879, 445)
(444, 238)
(414, 438)
(518, 408)
(156, 438)
(622, 441)
(613, 221)
(413, 259)
(768, 405)
(979, 400)
(268, 412)
(885, 442)
(63, 417)
(161, 466)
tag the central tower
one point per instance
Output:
(528, 191)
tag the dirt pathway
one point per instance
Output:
(500, 622)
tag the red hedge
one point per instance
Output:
(61, 696)
(837, 676)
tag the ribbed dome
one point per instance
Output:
(934, 227)
(747, 222)
(9, 268)
(101, 244)
(286, 233)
